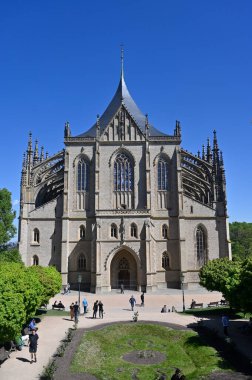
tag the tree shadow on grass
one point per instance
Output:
(231, 357)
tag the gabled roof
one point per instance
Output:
(122, 97)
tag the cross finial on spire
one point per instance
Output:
(122, 58)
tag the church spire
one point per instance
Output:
(209, 152)
(42, 154)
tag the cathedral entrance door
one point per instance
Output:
(123, 270)
(124, 278)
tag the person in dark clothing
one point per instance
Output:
(95, 309)
(122, 288)
(178, 375)
(33, 344)
(76, 311)
(100, 308)
(132, 302)
(142, 299)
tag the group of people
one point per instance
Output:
(166, 310)
(98, 308)
(58, 305)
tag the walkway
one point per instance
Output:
(53, 329)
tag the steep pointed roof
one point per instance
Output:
(122, 97)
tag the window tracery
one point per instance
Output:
(82, 261)
(165, 261)
(133, 230)
(123, 173)
(113, 231)
(162, 174)
(164, 231)
(201, 246)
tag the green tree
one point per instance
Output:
(50, 280)
(241, 238)
(244, 289)
(10, 256)
(7, 216)
(222, 275)
(12, 315)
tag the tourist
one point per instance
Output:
(100, 308)
(132, 302)
(76, 311)
(33, 343)
(85, 305)
(178, 375)
(122, 288)
(225, 324)
(71, 311)
(164, 309)
(95, 309)
(32, 325)
(60, 305)
(68, 288)
(142, 299)
(193, 303)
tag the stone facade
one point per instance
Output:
(124, 203)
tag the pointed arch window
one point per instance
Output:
(35, 260)
(82, 175)
(162, 174)
(82, 232)
(133, 230)
(201, 246)
(82, 263)
(123, 264)
(164, 231)
(123, 173)
(36, 236)
(165, 261)
(113, 230)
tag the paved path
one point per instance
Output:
(53, 329)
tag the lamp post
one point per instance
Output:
(182, 277)
(79, 282)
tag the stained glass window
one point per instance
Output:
(123, 173)
(162, 174)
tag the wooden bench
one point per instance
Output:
(214, 303)
(56, 307)
(196, 305)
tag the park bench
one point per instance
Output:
(56, 307)
(214, 303)
(197, 305)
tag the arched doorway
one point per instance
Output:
(123, 271)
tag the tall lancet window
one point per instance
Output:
(201, 246)
(123, 173)
(162, 174)
(82, 184)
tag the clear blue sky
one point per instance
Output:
(184, 60)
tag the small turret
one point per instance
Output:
(98, 126)
(177, 130)
(146, 125)
(36, 154)
(42, 154)
(203, 152)
(67, 130)
(209, 152)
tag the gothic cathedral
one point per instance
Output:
(124, 203)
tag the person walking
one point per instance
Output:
(142, 299)
(33, 344)
(85, 305)
(100, 308)
(132, 302)
(71, 311)
(122, 288)
(225, 324)
(76, 311)
(95, 309)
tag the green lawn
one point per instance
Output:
(217, 311)
(40, 313)
(100, 352)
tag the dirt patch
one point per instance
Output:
(144, 357)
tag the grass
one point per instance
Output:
(100, 353)
(40, 313)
